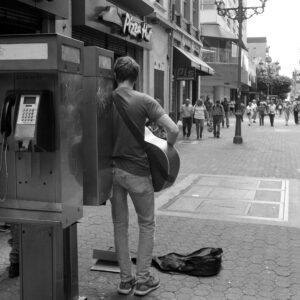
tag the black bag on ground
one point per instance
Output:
(203, 262)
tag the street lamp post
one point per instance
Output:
(239, 14)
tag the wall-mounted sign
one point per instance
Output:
(185, 73)
(23, 51)
(104, 62)
(70, 54)
(138, 30)
(126, 23)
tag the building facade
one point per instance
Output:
(220, 39)
(258, 49)
(188, 66)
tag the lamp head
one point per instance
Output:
(220, 4)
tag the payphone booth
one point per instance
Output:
(98, 85)
(41, 91)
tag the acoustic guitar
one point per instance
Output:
(163, 159)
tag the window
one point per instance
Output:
(186, 9)
(195, 14)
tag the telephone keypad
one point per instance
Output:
(28, 115)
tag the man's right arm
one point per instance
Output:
(171, 128)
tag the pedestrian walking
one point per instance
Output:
(225, 104)
(287, 108)
(208, 105)
(187, 117)
(262, 111)
(249, 113)
(272, 112)
(131, 175)
(199, 117)
(217, 115)
(242, 110)
(254, 110)
(279, 108)
(296, 109)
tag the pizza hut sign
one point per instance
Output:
(138, 30)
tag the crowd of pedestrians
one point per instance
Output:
(216, 113)
(271, 109)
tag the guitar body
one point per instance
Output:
(163, 159)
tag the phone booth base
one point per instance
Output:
(48, 255)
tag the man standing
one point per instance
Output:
(217, 115)
(187, 117)
(226, 112)
(131, 175)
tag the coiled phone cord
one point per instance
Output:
(4, 149)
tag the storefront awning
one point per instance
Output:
(180, 57)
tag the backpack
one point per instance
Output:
(203, 262)
(217, 110)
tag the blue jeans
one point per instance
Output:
(141, 191)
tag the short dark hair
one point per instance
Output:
(126, 68)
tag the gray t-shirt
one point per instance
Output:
(127, 152)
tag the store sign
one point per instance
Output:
(185, 73)
(126, 23)
(138, 30)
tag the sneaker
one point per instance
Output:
(125, 288)
(14, 270)
(144, 288)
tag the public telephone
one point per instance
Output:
(29, 117)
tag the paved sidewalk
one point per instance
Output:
(261, 255)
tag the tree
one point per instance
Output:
(269, 82)
(274, 85)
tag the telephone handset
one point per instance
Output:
(31, 121)
(6, 116)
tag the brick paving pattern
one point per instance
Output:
(261, 260)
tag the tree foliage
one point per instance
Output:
(275, 85)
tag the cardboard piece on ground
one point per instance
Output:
(106, 261)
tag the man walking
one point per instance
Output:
(187, 117)
(217, 115)
(131, 175)
(225, 104)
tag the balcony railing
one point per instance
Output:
(219, 55)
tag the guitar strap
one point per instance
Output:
(138, 135)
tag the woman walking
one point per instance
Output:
(287, 108)
(272, 112)
(199, 117)
(249, 111)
